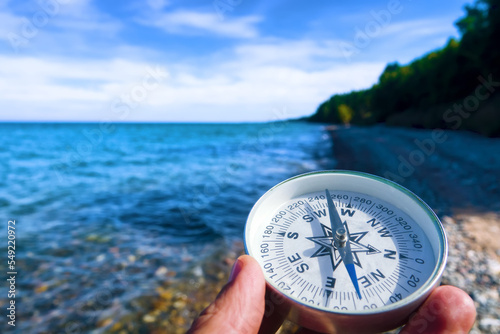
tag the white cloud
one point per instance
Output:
(193, 22)
(34, 83)
(157, 4)
(398, 41)
(270, 85)
(8, 22)
(299, 53)
(81, 16)
(56, 26)
(419, 28)
(246, 88)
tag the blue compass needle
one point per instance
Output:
(342, 241)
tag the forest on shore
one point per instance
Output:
(455, 87)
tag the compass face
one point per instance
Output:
(396, 244)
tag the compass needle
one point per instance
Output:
(391, 244)
(342, 242)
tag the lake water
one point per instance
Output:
(94, 204)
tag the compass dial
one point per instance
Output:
(374, 249)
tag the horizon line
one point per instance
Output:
(142, 122)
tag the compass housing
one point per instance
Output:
(322, 319)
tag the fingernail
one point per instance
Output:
(236, 270)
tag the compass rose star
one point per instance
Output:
(328, 248)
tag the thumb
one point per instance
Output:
(447, 310)
(239, 307)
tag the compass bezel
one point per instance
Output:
(378, 187)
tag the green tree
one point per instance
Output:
(428, 85)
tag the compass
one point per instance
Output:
(347, 251)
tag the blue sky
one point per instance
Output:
(203, 60)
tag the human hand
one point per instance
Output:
(239, 308)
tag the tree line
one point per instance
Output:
(455, 87)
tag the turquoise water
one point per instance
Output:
(167, 194)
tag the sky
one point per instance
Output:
(203, 60)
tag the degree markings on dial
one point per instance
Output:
(363, 208)
(381, 300)
(297, 280)
(387, 219)
(386, 286)
(285, 264)
(392, 279)
(322, 293)
(405, 257)
(382, 287)
(302, 211)
(374, 292)
(364, 294)
(301, 292)
(287, 272)
(402, 287)
(296, 277)
(317, 289)
(294, 215)
(354, 301)
(317, 206)
(408, 267)
(274, 258)
(389, 224)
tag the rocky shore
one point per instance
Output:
(474, 264)
(458, 175)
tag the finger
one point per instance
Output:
(239, 307)
(447, 310)
(275, 312)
